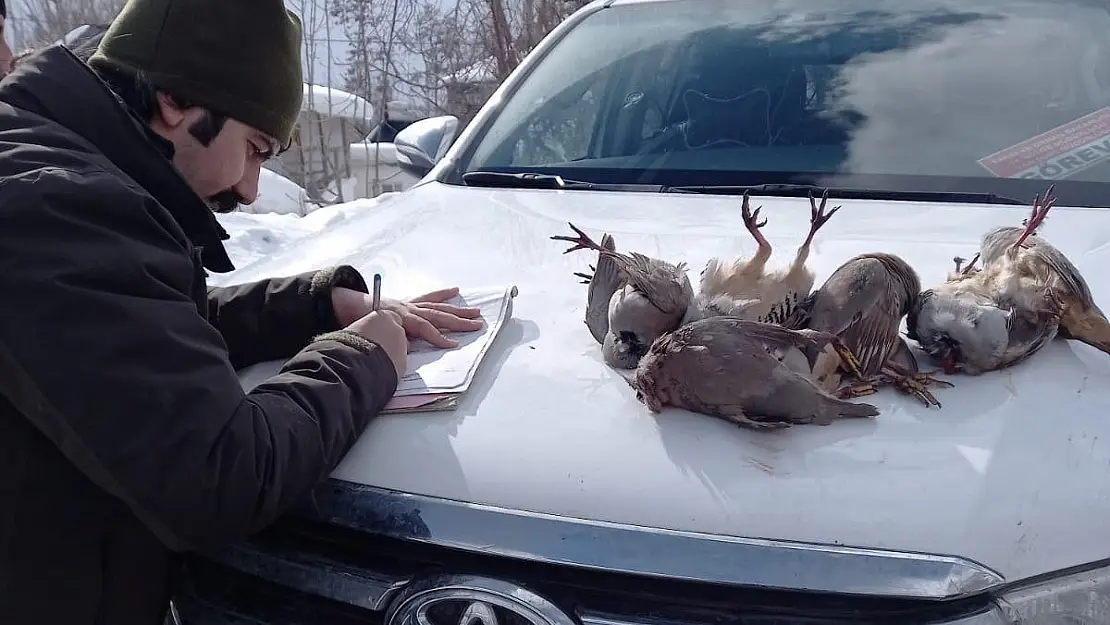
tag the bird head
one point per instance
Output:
(926, 324)
(634, 323)
(955, 329)
(623, 349)
(944, 350)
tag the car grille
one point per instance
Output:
(364, 555)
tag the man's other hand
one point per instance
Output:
(384, 328)
(422, 317)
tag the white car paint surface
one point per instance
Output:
(1013, 472)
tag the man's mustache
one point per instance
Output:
(224, 201)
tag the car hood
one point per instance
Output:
(1012, 472)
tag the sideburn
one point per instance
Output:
(207, 128)
(205, 131)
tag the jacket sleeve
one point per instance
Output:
(274, 318)
(103, 349)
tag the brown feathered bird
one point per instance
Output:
(862, 303)
(740, 371)
(1025, 294)
(743, 289)
(632, 299)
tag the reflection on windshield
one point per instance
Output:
(972, 96)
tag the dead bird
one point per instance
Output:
(738, 370)
(742, 288)
(632, 299)
(1025, 294)
(863, 303)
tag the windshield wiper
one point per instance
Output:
(532, 180)
(803, 190)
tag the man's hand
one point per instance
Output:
(422, 317)
(384, 328)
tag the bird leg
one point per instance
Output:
(1036, 216)
(847, 358)
(961, 271)
(817, 218)
(912, 383)
(753, 224)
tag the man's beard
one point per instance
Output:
(224, 201)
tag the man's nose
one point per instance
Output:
(247, 187)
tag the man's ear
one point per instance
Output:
(168, 112)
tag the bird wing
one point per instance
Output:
(661, 283)
(768, 335)
(606, 280)
(862, 304)
(1037, 249)
(1027, 330)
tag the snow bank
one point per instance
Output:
(332, 102)
(278, 194)
(255, 236)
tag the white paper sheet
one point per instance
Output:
(435, 370)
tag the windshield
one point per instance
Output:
(985, 96)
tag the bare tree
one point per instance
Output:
(40, 22)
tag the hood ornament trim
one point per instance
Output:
(476, 599)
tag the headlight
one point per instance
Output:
(1075, 599)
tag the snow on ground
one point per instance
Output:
(257, 235)
(278, 194)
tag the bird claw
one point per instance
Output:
(751, 218)
(856, 389)
(817, 215)
(847, 358)
(916, 385)
(581, 242)
(912, 384)
(960, 269)
(1036, 215)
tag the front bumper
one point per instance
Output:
(360, 554)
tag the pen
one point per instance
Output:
(377, 292)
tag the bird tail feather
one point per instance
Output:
(856, 410)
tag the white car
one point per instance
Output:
(551, 496)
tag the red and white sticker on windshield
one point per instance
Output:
(1061, 152)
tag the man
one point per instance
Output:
(125, 436)
(5, 50)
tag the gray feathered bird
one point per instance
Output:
(741, 371)
(1025, 294)
(632, 299)
(862, 303)
(743, 289)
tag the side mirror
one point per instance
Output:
(422, 143)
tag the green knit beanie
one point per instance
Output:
(240, 58)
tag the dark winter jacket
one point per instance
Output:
(125, 435)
